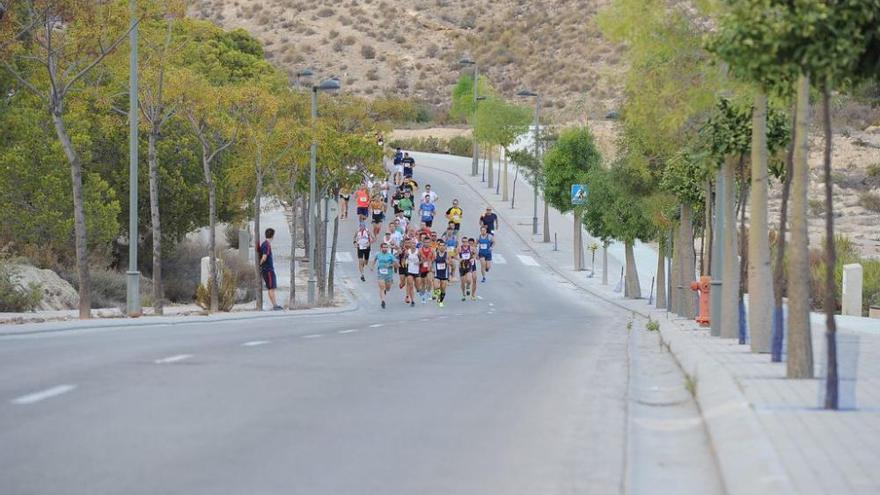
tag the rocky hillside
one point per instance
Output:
(412, 47)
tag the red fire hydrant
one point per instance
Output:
(703, 287)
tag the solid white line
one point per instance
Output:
(255, 343)
(44, 394)
(527, 260)
(312, 336)
(376, 325)
(173, 359)
(352, 330)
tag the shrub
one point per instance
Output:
(13, 297)
(226, 297)
(368, 52)
(349, 40)
(373, 74)
(817, 207)
(461, 146)
(870, 201)
(244, 273)
(874, 170)
(181, 269)
(326, 12)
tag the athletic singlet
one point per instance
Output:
(363, 239)
(441, 264)
(465, 255)
(377, 208)
(363, 199)
(485, 244)
(426, 254)
(412, 261)
(384, 263)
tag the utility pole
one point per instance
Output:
(476, 159)
(717, 253)
(133, 299)
(537, 157)
(313, 162)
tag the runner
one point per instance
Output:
(267, 268)
(465, 268)
(386, 262)
(363, 239)
(472, 244)
(344, 196)
(486, 242)
(362, 198)
(454, 214)
(441, 272)
(489, 219)
(377, 207)
(427, 209)
(426, 275)
(395, 200)
(413, 266)
(408, 164)
(450, 240)
(398, 166)
(429, 194)
(406, 205)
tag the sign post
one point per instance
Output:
(579, 194)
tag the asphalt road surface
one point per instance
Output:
(534, 389)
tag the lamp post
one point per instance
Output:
(303, 73)
(476, 160)
(133, 299)
(537, 97)
(326, 85)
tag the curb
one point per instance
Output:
(151, 321)
(747, 462)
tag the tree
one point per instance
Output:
(569, 162)
(55, 45)
(214, 119)
(499, 124)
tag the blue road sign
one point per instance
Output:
(579, 194)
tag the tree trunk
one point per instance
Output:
(743, 254)
(661, 276)
(604, 262)
(760, 278)
(504, 194)
(257, 207)
(688, 301)
(675, 272)
(305, 223)
(491, 168)
(706, 269)
(212, 244)
(331, 282)
(578, 242)
(155, 222)
(547, 222)
(632, 287)
(513, 192)
(729, 262)
(79, 216)
(800, 344)
(831, 397)
(320, 252)
(779, 269)
(291, 300)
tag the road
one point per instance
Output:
(534, 389)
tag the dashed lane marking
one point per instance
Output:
(498, 259)
(350, 330)
(376, 325)
(312, 336)
(43, 394)
(173, 359)
(255, 343)
(527, 260)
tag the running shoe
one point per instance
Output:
(474, 298)
(277, 308)
(463, 299)
(440, 304)
(363, 279)
(383, 304)
(412, 303)
(484, 280)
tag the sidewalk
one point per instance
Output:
(768, 433)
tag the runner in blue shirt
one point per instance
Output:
(485, 242)
(427, 210)
(386, 263)
(441, 271)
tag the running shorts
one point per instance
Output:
(364, 254)
(270, 279)
(378, 218)
(363, 210)
(486, 255)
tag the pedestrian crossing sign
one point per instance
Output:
(579, 193)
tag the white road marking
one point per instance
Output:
(498, 259)
(527, 260)
(491, 304)
(173, 359)
(43, 394)
(480, 298)
(376, 325)
(344, 257)
(351, 330)
(312, 336)
(255, 343)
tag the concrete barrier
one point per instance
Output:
(851, 301)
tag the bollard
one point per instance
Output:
(555, 245)
(704, 287)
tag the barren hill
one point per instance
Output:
(412, 48)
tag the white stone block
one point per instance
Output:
(852, 290)
(206, 270)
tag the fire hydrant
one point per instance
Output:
(703, 287)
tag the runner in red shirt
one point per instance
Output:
(362, 196)
(426, 263)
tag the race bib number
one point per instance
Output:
(484, 246)
(465, 256)
(441, 266)
(383, 271)
(377, 212)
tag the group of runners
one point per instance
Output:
(424, 260)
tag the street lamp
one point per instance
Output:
(331, 84)
(303, 73)
(133, 276)
(475, 163)
(537, 97)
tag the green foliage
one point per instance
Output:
(569, 162)
(13, 297)
(463, 96)
(458, 145)
(652, 325)
(870, 201)
(500, 123)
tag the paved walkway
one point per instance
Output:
(768, 432)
